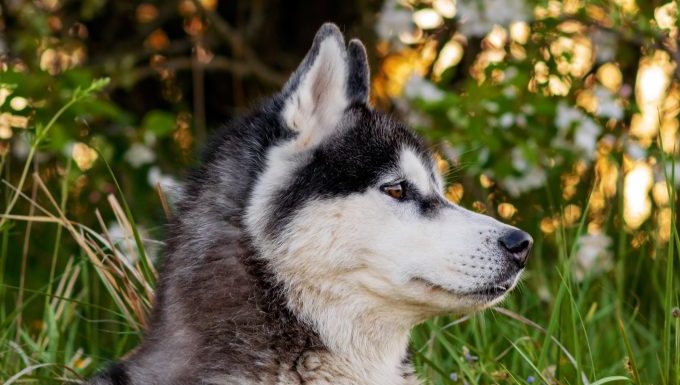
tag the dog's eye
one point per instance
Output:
(395, 190)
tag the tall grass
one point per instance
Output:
(613, 327)
(578, 332)
(53, 334)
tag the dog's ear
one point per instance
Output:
(358, 83)
(316, 95)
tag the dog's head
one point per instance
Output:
(353, 208)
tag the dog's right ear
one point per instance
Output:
(316, 95)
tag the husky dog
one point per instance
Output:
(311, 240)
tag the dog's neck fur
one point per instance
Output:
(370, 345)
(367, 345)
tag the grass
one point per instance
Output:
(615, 327)
(593, 334)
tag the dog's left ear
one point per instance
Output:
(359, 80)
(328, 80)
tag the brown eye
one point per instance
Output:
(396, 191)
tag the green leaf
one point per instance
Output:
(159, 122)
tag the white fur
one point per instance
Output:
(317, 104)
(281, 161)
(415, 171)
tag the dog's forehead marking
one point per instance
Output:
(415, 171)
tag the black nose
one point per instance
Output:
(518, 244)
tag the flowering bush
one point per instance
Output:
(561, 117)
(533, 96)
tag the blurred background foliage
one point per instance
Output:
(560, 117)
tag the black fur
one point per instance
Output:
(114, 375)
(339, 166)
(119, 375)
(359, 83)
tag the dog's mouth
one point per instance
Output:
(489, 292)
(492, 291)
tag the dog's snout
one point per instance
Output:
(518, 244)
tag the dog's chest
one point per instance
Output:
(323, 368)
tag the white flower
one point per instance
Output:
(507, 120)
(477, 17)
(139, 155)
(567, 115)
(586, 131)
(531, 180)
(393, 20)
(585, 137)
(635, 151)
(419, 88)
(169, 184)
(22, 146)
(519, 162)
(510, 92)
(593, 255)
(490, 106)
(607, 104)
